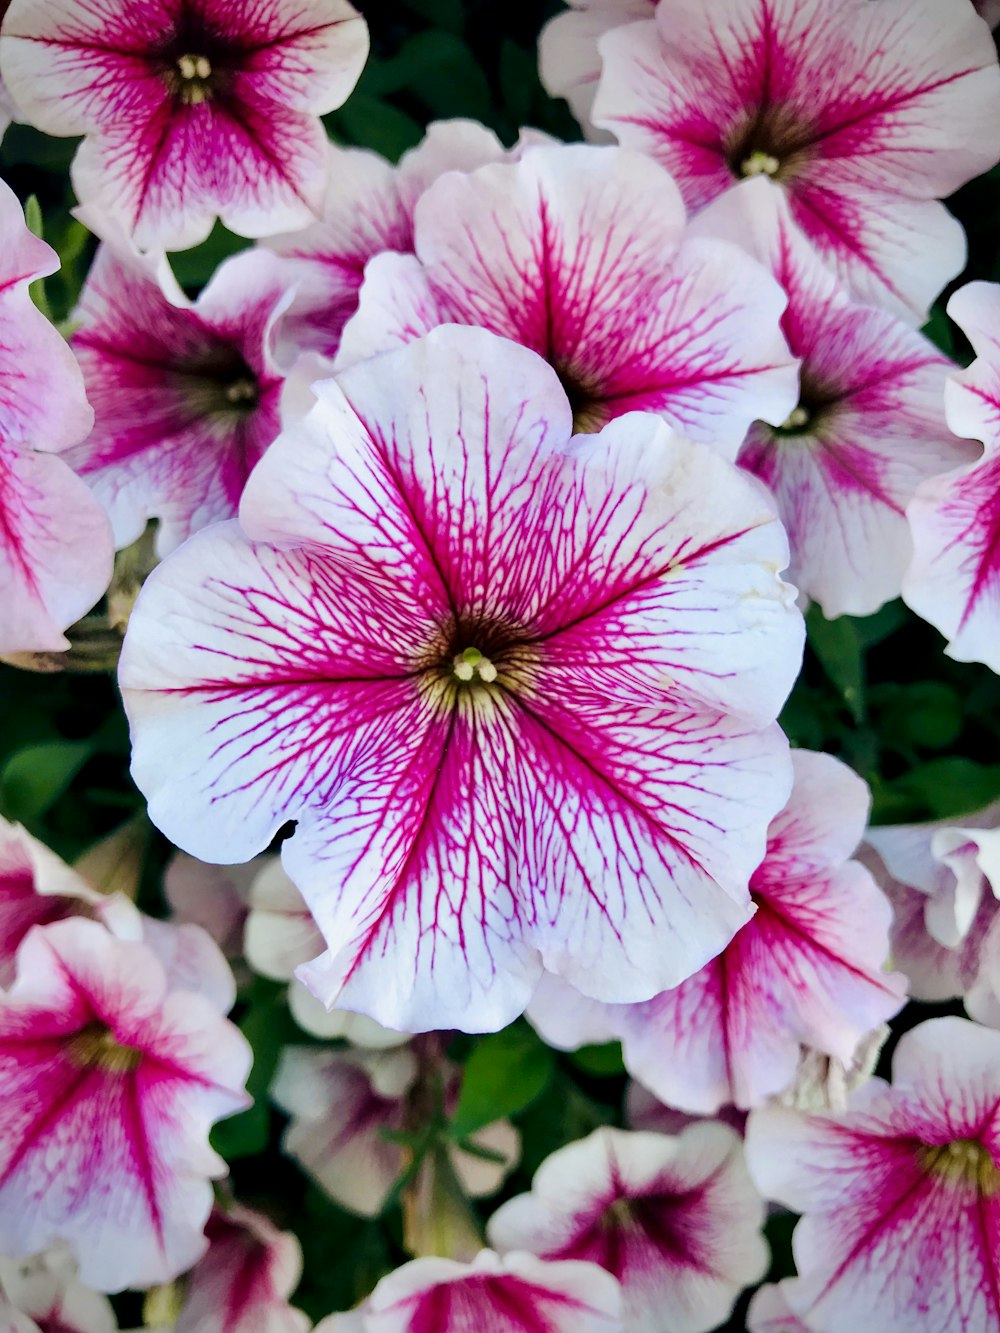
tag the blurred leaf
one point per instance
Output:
(442, 13)
(34, 779)
(925, 715)
(505, 1073)
(875, 629)
(371, 123)
(600, 1061)
(837, 645)
(949, 786)
(442, 71)
(33, 217)
(195, 268)
(940, 331)
(518, 82)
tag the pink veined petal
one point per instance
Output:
(517, 1294)
(192, 961)
(676, 1220)
(186, 396)
(973, 396)
(114, 1158)
(243, 1283)
(556, 251)
(56, 551)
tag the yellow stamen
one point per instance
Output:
(963, 1161)
(760, 164)
(241, 391)
(96, 1047)
(796, 419)
(194, 67)
(471, 664)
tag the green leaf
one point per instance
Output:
(442, 13)
(442, 71)
(194, 268)
(837, 645)
(371, 123)
(34, 778)
(927, 715)
(949, 786)
(600, 1061)
(33, 217)
(504, 1074)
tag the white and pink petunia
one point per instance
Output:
(185, 394)
(942, 880)
(569, 63)
(244, 1281)
(280, 932)
(191, 109)
(55, 545)
(900, 1194)
(579, 253)
(516, 1294)
(369, 208)
(517, 690)
(869, 425)
(111, 1083)
(954, 580)
(806, 971)
(43, 1295)
(345, 1108)
(865, 115)
(675, 1219)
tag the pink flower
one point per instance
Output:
(243, 1282)
(369, 208)
(516, 690)
(185, 395)
(192, 109)
(954, 580)
(55, 547)
(568, 60)
(346, 1105)
(869, 425)
(864, 114)
(43, 1296)
(676, 1220)
(517, 1294)
(578, 252)
(806, 970)
(900, 1193)
(211, 896)
(111, 1083)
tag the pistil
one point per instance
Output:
(760, 163)
(471, 665)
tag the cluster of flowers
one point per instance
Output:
(473, 481)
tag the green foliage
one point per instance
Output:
(505, 1073)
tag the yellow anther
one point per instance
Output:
(760, 164)
(796, 419)
(471, 663)
(194, 67)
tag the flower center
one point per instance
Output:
(96, 1047)
(194, 82)
(470, 665)
(242, 392)
(760, 163)
(798, 421)
(962, 1162)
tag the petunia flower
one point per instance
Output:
(942, 880)
(676, 1220)
(211, 896)
(244, 1281)
(899, 1194)
(517, 1294)
(43, 1295)
(192, 109)
(111, 1084)
(280, 933)
(805, 972)
(954, 580)
(55, 546)
(569, 64)
(869, 425)
(347, 1106)
(185, 394)
(769, 1312)
(864, 114)
(579, 253)
(516, 690)
(369, 208)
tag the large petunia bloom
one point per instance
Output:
(869, 425)
(516, 1294)
(806, 970)
(369, 208)
(517, 690)
(111, 1084)
(55, 545)
(900, 1193)
(954, 580)
(569, 63)
(676, 1220)
(243, 1282)
(579, 253)
(865, 114)
(191, 109)
(185, 394)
